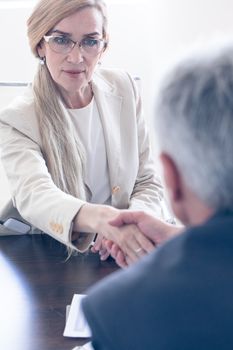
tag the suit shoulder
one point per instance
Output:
(19, 108)
(120, 284)
(123, 284)
(20, 116)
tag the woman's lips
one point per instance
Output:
(73, 73)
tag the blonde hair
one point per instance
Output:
(61, 147)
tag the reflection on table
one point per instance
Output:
(36, 283)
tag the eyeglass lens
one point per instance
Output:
(62, 44)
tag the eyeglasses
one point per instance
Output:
(64, 45)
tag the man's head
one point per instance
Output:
(195, 132)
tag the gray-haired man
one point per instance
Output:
(181, 296)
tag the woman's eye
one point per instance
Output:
(59, 40)
(90, 42)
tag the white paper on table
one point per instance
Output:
(76, 324)
(87, 346)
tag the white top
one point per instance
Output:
(90, 131)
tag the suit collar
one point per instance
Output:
(101, 83)
(109, 105)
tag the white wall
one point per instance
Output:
(144, 37)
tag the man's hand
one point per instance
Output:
(155, 229)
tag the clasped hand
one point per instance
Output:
(127, 245)
(125, 234)
(140, 234)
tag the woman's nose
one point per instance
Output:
(75, 55)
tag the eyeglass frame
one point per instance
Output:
(47, 38)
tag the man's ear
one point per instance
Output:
(172, 178)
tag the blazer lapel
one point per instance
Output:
(109, 107)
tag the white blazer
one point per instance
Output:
(131, 168)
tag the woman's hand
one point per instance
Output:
(114, 250)
(99, 246)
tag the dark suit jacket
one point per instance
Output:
(178, 298)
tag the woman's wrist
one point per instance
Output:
(83, 221)
(92, 217)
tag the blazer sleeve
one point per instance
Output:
(147, 193)
(34, 193)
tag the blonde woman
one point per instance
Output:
(75, 147)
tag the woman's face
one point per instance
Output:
(73, 71)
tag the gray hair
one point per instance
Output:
(195, 125)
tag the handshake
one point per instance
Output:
(128, 235)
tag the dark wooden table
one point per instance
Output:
(36, 284)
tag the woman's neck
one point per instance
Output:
(78, 99)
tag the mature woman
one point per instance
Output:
(75, 146)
